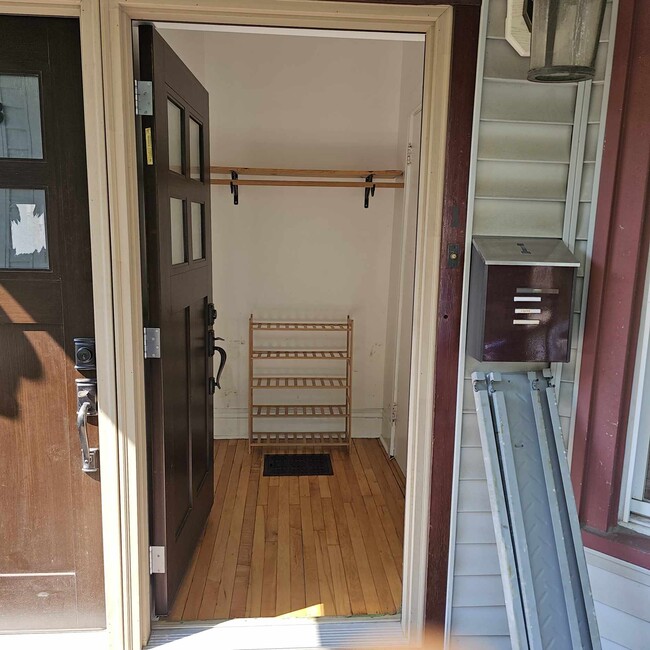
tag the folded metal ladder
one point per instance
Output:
(542, 560)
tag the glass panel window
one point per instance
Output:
(198, 228)
(195, 150)
(20, 117)
(176, 207)
(175, 137)
(23, 233)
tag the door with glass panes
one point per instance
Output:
(51, 566)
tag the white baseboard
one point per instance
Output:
(232, 424)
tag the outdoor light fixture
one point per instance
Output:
(564, 39)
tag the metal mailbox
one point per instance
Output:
(521, 297)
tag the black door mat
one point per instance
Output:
(297, 465)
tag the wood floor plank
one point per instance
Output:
(297, 569)
(227, 581)
(339, 584)
(312, 586)
(298, 546)
(283, 583)
(329, 520)
(363, 564)
(269, 580)
(357, 601)
(324, 574)
(244, 558)
(254, 598)
(210, 591)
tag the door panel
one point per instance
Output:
(178, 286)
(51, 567)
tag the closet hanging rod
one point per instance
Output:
(309, 173)
(240, 181)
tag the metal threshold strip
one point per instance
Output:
(281, 633)
(542, 560)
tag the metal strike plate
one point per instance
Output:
(157, 559)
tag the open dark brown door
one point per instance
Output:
(176, 188)
(51, 566)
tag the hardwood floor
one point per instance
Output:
(298, 546)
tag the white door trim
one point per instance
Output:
(116, 17)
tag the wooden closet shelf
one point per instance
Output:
(300, 382)
(299, 354)
(300, 411)
(309, 173)
(274, 183)
(300, 327)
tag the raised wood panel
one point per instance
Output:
(38, 602)
(25, 302)
(526, 218)
(33, 363)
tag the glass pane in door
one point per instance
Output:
(23, 232)
(195, 150)
(175, 137)
(176, 208)
(20, 117)
(197, 231)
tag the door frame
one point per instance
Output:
(436, 23)
(110, 440)
(112, 176)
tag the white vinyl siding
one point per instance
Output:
(535, 159)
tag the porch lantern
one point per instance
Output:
(564, 39)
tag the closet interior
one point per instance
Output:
(315, 148)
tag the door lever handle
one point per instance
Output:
(86, 406)
(212, 340)
(215, 382)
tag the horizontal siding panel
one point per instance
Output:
(525, 142)
(620, 593)
(473, 643)
(526, 218)
(519, 180)
(502, 62)
(478, 591)
(580, 252)
(601, 62)
(471, 436)
(540, 102)
(472, 465)
(566, 398)
(496, 20)
(473, 496)
(622, 628)
(486, 621)
(477, 560)
(591, 142)
(584, 214)
(587, 185)
(610, 645)
(475, 528)
(596, 102)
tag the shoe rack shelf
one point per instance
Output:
(307, 381)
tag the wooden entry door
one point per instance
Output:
(176, 186)
(51, 566)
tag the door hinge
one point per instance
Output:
(143, 97)
(409, 154)
(152, 343)
(157, 559)
(393, 413)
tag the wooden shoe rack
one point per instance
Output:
(306, 382)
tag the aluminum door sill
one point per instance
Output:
(280, 633)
